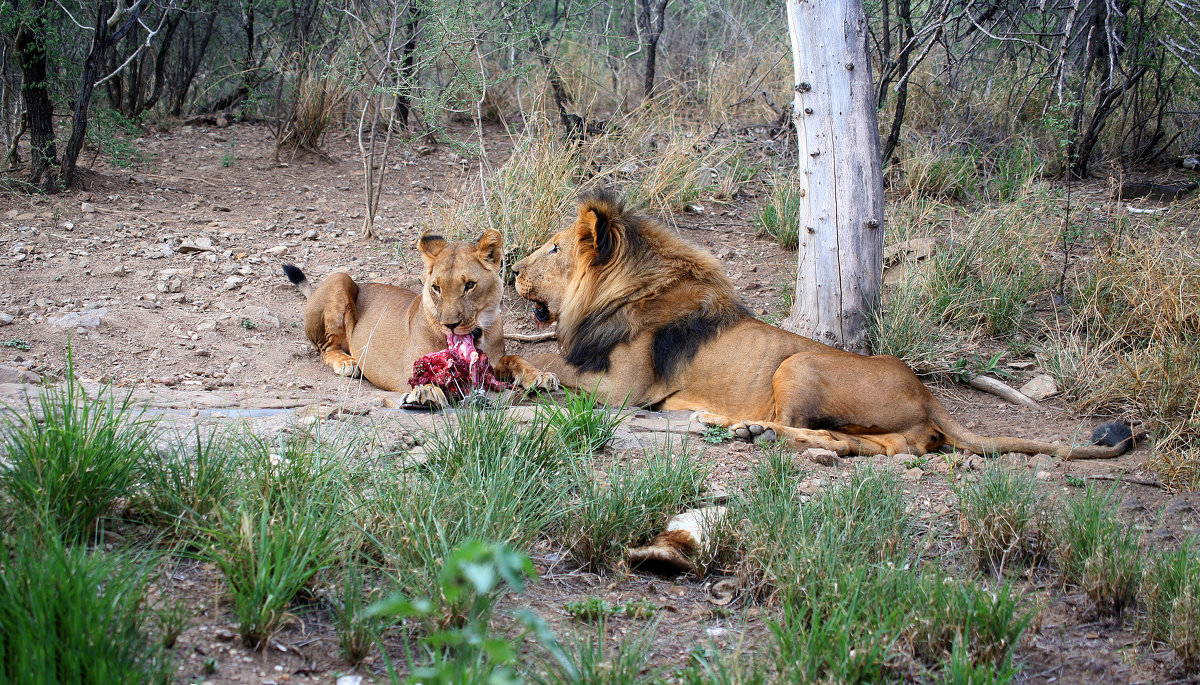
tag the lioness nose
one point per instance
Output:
(452, 326)
(515, 268)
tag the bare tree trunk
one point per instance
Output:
(840, 267)
(110, 29)
(654, 18)
(39, 110)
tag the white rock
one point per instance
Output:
(350, 680)
(5, 318)
(1040, 387)
(87, 208)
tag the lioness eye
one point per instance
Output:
(468, 285)
(554, 248)
(437, 290)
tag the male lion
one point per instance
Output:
(379, 330)
(645, 317)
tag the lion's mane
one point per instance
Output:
(632, 274)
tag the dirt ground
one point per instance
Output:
(168, 280)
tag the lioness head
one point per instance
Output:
(462, 287)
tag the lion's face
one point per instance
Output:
(462, 287)
(542, 277)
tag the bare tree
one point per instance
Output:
(841, 180)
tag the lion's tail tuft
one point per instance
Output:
(298, 279)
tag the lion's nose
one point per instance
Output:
(515, 268)
(452, 326)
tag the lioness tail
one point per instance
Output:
(298, 279)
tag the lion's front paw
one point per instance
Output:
(708, 418)
(542, 380)
(429, 396)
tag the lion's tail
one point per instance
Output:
(298, 279)
(1113, 440)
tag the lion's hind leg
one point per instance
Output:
(329, 322)
(770, 431)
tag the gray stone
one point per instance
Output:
(9, 374)
(914, 474)
(5, 318)
(89, 318)
(820, 456)
(1040, 387)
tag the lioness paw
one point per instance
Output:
(425, 396)
(346, 367)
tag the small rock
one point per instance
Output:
(220, 208)
(276, 251)
(1044, 475)
(310, 234)
(820, 456)
(974, 462)
(350, 680)
(233, 283)
(87, 208)
(10, 374)
(1040, 387)
(914, 474)
(1179, 505)
(1022, 364)
(120, 271)
(206, 325)
(5, 318)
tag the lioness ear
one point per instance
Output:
(430, 244)
(596, 232)
(489, 247)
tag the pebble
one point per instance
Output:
(914, 474)
(820, 456)
(89, 318)
(87, 208)
(5, 318)
(1040, 387)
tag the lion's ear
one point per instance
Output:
(597, 234)
(489, 247)
(430, 245)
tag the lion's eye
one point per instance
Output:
(554, 248)
(468, 285)
(436, 289)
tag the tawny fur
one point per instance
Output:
(648, 319)
(379, 330)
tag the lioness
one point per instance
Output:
(645, 317)
(379, 330)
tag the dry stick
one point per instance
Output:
(1124, 478)
(995, 387)
(532, 337)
